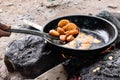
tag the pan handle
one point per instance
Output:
(34, 25)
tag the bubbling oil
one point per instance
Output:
(87, 39)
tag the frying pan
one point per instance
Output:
(103, 28)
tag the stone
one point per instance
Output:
(112, 6)
(54, 3)
(1, 10)
(30, 56)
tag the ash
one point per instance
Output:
(100, 67)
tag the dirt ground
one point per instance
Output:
(12, 12)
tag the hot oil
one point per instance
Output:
(86, 40)
(96, 35)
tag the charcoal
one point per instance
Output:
(30, 56)
(102, 67)
(109, 69)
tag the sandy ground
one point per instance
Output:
(12, 12)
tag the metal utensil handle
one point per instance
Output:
(32, 32)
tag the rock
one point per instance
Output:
(3, 71)
(30, 56)
(54, 3)
(76, 3)
(16, 76)
(1, 10)
(1, 78)
(112, 6)
(96, 69)
(10, 4)
(110, 57)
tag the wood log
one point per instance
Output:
(56, 73)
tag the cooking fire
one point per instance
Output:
(33, 57)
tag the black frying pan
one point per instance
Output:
(102, 28)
